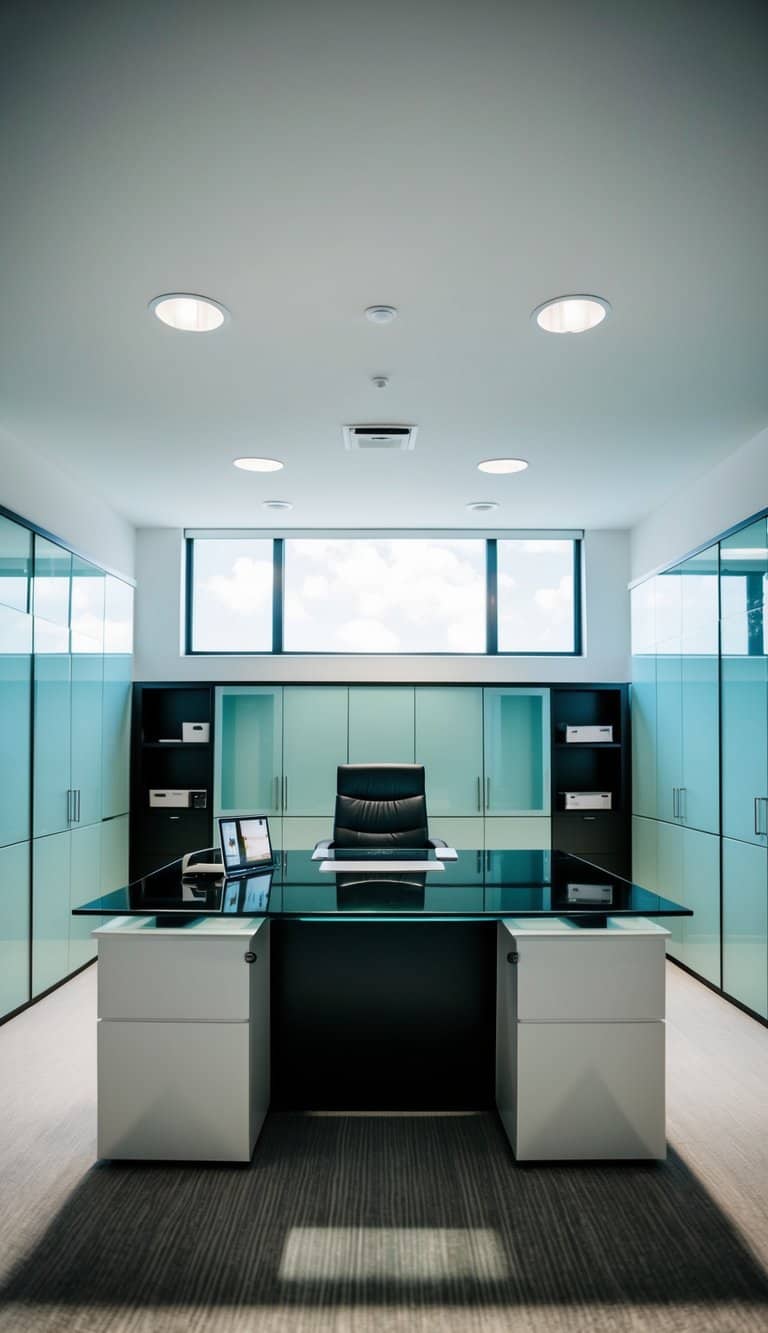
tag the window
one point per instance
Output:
(231, 596)
(356, 595)
(537, 592)
(371, 594)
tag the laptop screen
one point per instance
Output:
(245, 843)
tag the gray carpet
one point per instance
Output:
(387, 1222)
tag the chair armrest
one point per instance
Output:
(322, 849)
(436, 842)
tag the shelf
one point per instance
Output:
(587, 745)
(174, 745)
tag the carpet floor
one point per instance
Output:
(385, 1223)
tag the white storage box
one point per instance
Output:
(173, 799)
(195, 731)
(588, 800)
(582, 735)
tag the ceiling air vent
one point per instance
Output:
(390, 438)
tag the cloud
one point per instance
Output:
(368, 636)
(246, 590)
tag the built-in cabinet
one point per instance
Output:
(65, 696)
(276, 749)
(700, 757)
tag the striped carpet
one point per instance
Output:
(389, 1223)
(424, 1222)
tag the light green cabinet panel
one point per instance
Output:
(669, 729)
(744, 725)
(84, 885)
(518, 833)
(644, 735)
(745, 924)
(52, 582)
(460, 833)
(50, 911)
(449, 743)
(52, 732)
(15, 725)
(87, 671)
(670, 879)
(644, 866)
(116, 735)
(701, 932)
(314, 744)
(114, 854)
(15, 565)
(300, 832)
(699, 801)
(14, 926)
(248, 750)
(381, 724)
(517, 749)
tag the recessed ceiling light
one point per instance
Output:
(277, 504)
(571, 314)
(381, 314)
(503, 465)
(258, 464)
(482, 506)
(189, 314)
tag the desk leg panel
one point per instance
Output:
(383, 1015)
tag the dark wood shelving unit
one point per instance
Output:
(600, 836)
(161, 835)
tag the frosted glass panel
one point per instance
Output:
(15, 564)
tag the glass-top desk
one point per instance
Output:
(476, 885)
(526, 979)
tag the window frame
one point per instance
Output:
(278, 590)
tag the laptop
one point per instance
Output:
(245, 845)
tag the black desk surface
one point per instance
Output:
(478, 885)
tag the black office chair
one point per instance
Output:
(381, 805)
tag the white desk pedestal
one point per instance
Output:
(183, 1039)
(580, 1039)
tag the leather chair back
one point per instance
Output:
(380, 805)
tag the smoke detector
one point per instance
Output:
(395, 439)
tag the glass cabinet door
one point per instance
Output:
(50, 912)
(116, 700)
(699, 797)
(248, 772)
(15, 724)
(381, 724)
(669, 693)
(517, 751)
(14, 926)
(643, 617)
(744, 728)
(314, 744)
(87, 647)
(745, 924)
(51, 807)
(449, 743)
(15, 565)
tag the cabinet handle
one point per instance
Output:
(487, 793)
(761, 800)
(682, 793)
(674, 803)
(77, 805)
(285, 792)
(277, 793)
(479, 863)
(69, 808)
(479, 795)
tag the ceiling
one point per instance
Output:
(464, 162)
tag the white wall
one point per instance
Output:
(721, 498)
(159, 559)
(40, 492)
